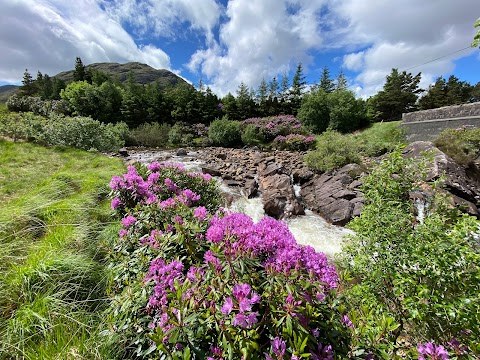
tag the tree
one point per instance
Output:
(262, 97)
(435, 96)
(347, 114)
(445, 93)
(229, 106)
(284, 87)
(476, 39)
(342, 83)
(79, 72)
(273, 88)
(326, 83)
(297, 90)
(399, 95)
(314, 112)
(28, 85)
(245, 103)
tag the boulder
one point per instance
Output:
(181, 152)
(331, 195)
(123, 152)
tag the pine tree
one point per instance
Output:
(79, 72)
(326, 83)
(273, 88)
(297, 90)
(28, 85)
(342, 83)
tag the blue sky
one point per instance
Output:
(229, 41)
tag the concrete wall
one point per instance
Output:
(426, 125)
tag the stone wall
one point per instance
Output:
(426, 125)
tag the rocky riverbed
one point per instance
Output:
(287, 187)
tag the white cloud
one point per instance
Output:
(162, 16)
(48, 35)
(403, 35)
(259, 40)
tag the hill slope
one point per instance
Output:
(142, 73)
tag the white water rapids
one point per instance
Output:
(309, 229)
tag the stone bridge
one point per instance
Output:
(426, 125)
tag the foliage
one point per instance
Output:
(314, 112)
(399, 95)
(216, 285)
(346, 113)
(476, 39)
(423, 272)
(445, 93)
(462, 144)
(224, 132)
(268, 128)
(52, 292)
(252, 136)
(81, 132)
(333, 150)
(151, 134)
(181, 134)
(380, 138)
(36, 105)
(294, 142)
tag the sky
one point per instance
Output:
(225, 42)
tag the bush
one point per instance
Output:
(181, 134)
(462, 144)
(294, 142)
(81, 132)
(36, 105)
(252, 136)
(268, 128)
(423, 272)
(333, 150)
(380, 138)
(153, 135)
(202, 285)
(224, 132)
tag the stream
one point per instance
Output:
(309, 229)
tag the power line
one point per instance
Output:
(428, 62)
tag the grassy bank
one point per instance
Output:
(54, 219)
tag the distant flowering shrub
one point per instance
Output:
(214, 284)
(271, 127)
(294, 142)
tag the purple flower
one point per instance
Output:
(227, 306)
(170, 185)
(346, 321)
(122, 233)
(169, 203)
(210, 259)
(128, 221)
(116, 203)
(278, 346)
(431, 351)
(200, 213)
(154, 166)
(177, 219)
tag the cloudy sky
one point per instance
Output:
(225, 42)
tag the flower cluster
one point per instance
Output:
(241, 303)
(431, 351)
(274, 126)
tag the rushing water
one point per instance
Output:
(309, 229)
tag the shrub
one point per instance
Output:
(81, 132)
(203, 285)
(252, 135)
(153, 134)
(333, 150)
(268, 128)
(423, 272)
(380, 138)
(36, 105)
(462, 144)
(181, 134)
(294, 142)
(224, 132)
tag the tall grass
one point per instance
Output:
(53, 222)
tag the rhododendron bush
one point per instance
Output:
(195, 281)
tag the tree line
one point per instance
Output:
(325, 104)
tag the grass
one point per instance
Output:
(334, 150)
(54, 219)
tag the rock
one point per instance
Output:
(251, 188)
(455, 180)
(332, 196)
(211, 171)
(123, 152)
(232, 183)
(278, 196)
(222, 156)
(301, 176)
(181, 152)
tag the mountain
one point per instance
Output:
(142, 74)
(6, 91)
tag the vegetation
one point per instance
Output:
(54, 222)
(462, 144)
(81, 132)
(334, 150)
(421, 271)
(224, 132)
(450, 92)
